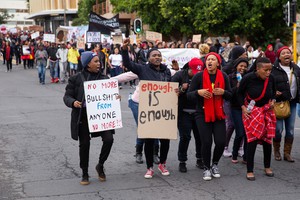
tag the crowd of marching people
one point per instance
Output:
(229, 89)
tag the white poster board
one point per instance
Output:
(158, 105)
(182, 55)
(26, 50)
(93, 37)
(49, 37)
(35, 35)
(102, 106)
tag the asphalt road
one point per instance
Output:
(39, 160)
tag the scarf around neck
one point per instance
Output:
(213, 107)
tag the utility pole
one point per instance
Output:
(294, 21)
(65, 17)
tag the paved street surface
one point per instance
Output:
(39, 160)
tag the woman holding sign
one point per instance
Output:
(74, 98)
(208, 90)
(154, 70)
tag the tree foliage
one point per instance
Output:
(260, 21)
(4, 16)
(84, 8)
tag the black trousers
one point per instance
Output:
(209, 132)
(84, 146)
(9, 64)
(251, 148)
(148, 148)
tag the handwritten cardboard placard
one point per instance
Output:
(80, 43)
(153, 36)
(158, 105)
(93, 37)
(117, 39)
(196, 38)
(49, 37)
(102, 106)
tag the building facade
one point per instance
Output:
(51, 14)
(20, 11)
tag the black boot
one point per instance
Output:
(139, 154)
(156, 159)
(85, 177)
(101, 174)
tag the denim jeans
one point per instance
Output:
(239, 133)
(187, 123)
(298, 109)
(134, 106)
(42, 72)
(53, 69)
(289, 123)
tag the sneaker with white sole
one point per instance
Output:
(163, 169)
(149, 173)
(207, 175)
(227, 153)
(215, 171)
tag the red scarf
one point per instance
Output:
(213, 107)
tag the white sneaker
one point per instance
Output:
(241, 152)
(227, 153)
(215, 171)
(207, 175)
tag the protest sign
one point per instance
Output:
(93, 37)
(117, 39)
(153, 36)
(102, 106)
(49, 37)
(61, 35)
(35, 35)
(158, 105)
(105, 26)
(80, 43)
(182, 56)
(26, 50)
(196, 38)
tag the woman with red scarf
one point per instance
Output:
(259, 119)
(208, 90)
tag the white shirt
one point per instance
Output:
(115, 59)
(293, 86)
(62, 54)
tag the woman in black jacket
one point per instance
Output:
(74, 98)
(287, 76)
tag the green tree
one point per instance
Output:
(260, 21)
(84, 8)
(4, 16)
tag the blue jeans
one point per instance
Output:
(134, 106)
(42, 72)
(298, 109)
(53, 69)
(289, 123)
(239, 133)
(187, 123)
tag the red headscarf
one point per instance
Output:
(213, 107)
